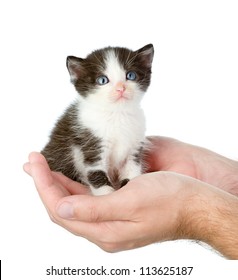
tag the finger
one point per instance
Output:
(72, 186)
(27, 168)
(27, 165)
(40, 171)
(112, 207)
(48, 188)
(151, 154)
(160, 150)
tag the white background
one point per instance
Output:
(193, 97)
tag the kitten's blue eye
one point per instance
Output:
(102, 80)
(131, 75)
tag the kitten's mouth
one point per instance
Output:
(122, 97)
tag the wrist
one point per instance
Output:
(218, 171)
(211, 217)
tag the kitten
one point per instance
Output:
(99, 139)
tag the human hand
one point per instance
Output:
(168, 154)
(153, 207)
(148, 209)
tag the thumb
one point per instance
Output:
(90, 208)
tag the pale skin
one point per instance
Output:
(188, 193)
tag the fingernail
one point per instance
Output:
(65, 210)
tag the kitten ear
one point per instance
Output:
(74, 65)
(146, 53)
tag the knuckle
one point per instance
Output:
(109, 247)
(93, 213)
(53, 218)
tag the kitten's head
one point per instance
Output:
(112, 75)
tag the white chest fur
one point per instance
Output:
(120, 129)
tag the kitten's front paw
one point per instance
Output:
(102, 190)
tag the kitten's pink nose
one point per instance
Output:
(120, 88)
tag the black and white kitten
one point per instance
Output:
(99, 139)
